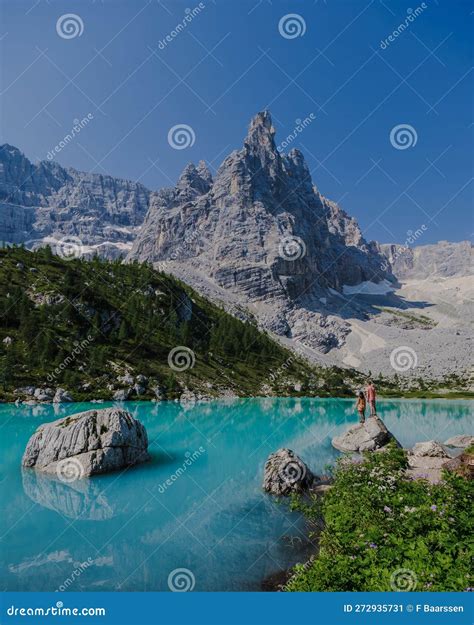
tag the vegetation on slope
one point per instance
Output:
(384, 531)
(80, 325)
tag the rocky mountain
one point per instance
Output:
(45, 202)
(260, 240)
(261, 231)
(442, 260)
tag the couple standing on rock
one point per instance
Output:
(363, 399)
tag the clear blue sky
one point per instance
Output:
(230, 62)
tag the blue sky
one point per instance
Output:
(232, 60)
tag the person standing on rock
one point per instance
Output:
(361, 406)
(370, 394)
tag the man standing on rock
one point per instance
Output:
(370, 394)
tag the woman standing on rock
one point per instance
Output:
(361, 406)
(370, 393)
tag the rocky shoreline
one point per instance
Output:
(286, 474)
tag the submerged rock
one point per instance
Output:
(285, 473)
(95, 441)
(461, 440)
(367, 436)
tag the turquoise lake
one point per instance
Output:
(131, 530)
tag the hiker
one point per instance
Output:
(370, 394)
(361, 406)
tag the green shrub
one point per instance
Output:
(384, 531)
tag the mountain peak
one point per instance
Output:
(261, 129)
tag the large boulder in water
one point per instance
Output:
(367, 436)
(96, 441)
(285, 473)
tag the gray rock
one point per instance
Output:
(442, 260)
(126, 379)
(138, 389)
(43, 394)
(426, 468)
(122, 394)
(431, 449)
(142, 379)
(46, 200)
(96, 441)
(368, 436)
(285, 473)
(461, 441)
(61, 396)
(238, 229)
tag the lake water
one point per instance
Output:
(130, 531)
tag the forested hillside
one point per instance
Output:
(102, 328)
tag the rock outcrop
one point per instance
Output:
(285, 473)
(461, 441)
(368, 436)
(261, 231)
(95, 441)
(425, 461)
(44, 202)
(440, 260)
(462, 465)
